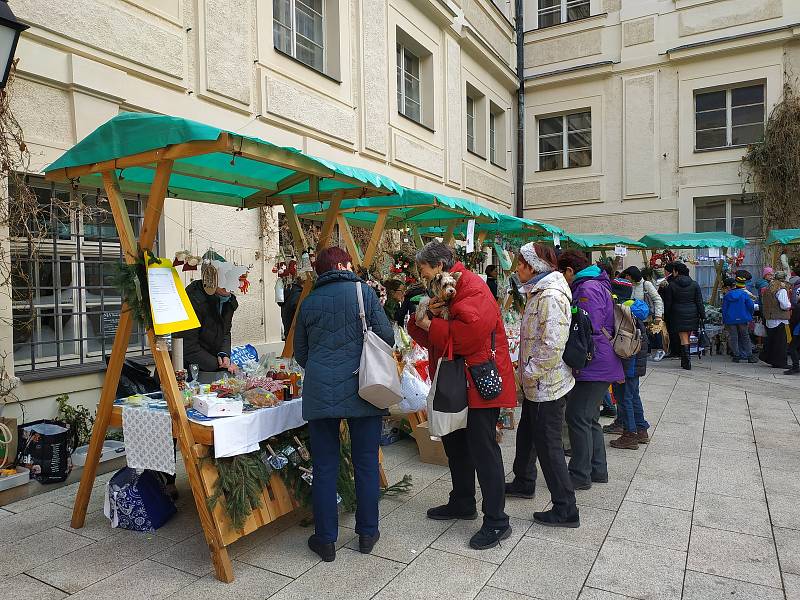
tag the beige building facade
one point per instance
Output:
(420, 90)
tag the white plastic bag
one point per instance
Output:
(442, 423)
(415, 391)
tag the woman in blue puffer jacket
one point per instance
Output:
(591, 290)
(327, 343)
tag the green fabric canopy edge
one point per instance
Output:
(783, 236)
(587, 241)
(693, 240)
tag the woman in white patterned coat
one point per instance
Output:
(546, 381)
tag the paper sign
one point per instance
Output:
(243, 354)
(556, 239)
(470, 236)
(169, 305)
(713, 253)
(620, 250)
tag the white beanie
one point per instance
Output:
(528, 252)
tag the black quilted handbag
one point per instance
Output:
(486, 377)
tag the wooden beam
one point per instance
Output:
(219, 175)
(449, 236)
(277, 156)
(330, 221)
(416, 212)
(127, 239)
(298, 237)
(260, 198)
(155, 205)
(311, 197)
(349, 240)
(374, 240)
(481, 239)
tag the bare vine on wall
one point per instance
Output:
(772, 166)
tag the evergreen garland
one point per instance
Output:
(242, 479)
(131, 282)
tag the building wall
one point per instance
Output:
(637, 64)
(84, 61)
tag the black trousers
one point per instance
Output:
(794, 351)
(776, 346)
(475, 450)
(539, 434)
(585, 433)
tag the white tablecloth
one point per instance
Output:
(242, 433)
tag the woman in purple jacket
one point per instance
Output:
(591, 290)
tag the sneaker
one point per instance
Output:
(600, 479)
(367, 542)
(576, 485)
(792, 371)
(326, 551)
(517, 490)
(550, 518)
(659, 355)
(642, 436)
(608, 412)
(613, 429)
(489, 537)
(445, 513)
(627, 441)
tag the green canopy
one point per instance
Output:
(210, 164)
(783, 236)
(693, 240)
(598, 241)
(508, 227)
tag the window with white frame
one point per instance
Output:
(729, 117)
(565, 141)
(409, 101)
(298, 29)
(65, 309)
(470, 124)
(497, 135)
(555, 12)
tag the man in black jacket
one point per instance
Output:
(289, 305)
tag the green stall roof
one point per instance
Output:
(783, 236)
(693, 240)
(210, 164)
(590, 241)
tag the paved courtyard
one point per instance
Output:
(709, 510)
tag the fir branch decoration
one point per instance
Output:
(131, 282)
(242, 480)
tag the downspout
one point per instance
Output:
(519, 26)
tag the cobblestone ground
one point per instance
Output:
(710, 509)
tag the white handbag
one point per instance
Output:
(378, 379)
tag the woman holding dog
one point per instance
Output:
(473, 315)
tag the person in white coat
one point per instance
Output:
(645, 291)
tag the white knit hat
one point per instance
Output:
(529, 254)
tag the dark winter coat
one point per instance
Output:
(636, 366)
(474, 314)
(683, 304)
(289, 305)
(202, 346)
(328, 339)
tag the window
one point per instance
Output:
(555, 12)
(298, 29)
(497, 135)
(409, 102)
(492, 138)
(565, 141)
(65, 308)
(729, 117)
(470, 124)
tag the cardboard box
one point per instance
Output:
(211, 406)
(430, 450)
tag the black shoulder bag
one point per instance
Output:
(487, 377)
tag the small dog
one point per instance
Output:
(442, 287)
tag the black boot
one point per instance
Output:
(686, 361)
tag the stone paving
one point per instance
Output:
(710, 509)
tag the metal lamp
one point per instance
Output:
(10, 28)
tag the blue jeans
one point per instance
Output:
(365, 436)
(629, 405)
(739, 340)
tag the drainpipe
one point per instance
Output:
(519, 25)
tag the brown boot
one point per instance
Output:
(627, 441)
(642, 437)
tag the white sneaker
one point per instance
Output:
(660, 354)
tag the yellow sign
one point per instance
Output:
(170, 307)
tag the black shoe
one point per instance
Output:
(488, 537)
(608, 412)
(752, 360)
(736, 359)
(791, 371)
(326, 552)
(580, 486)
(550, 518)
(367, 542)
(445, 513)
(516, 490)
(603, 479)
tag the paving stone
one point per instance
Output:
(250, 583)
(191, 556)
(5, 513)
(657, 525)
(743, 515)
(792, 585)
(491, 593)
(456, 541)
(288, 553)
(730, 482)
(37, 549)
(183, 524)
(595, 594)
(734, 555)
(776, 482)
(95, 526)
(544, 569)
(262, 535)
(146, 579)
(352, 575)
(742, 442)
(31, 521)
(603, 495)
(100, 560)
(667, 466)
(780, 460)
(595, 523)
(788, 543)
(622, 468)
(671, 493)
(638, 570)
(437, 575)
(23, 587)
(784, 510)
(701, 586)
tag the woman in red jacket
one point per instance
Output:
(474, 315)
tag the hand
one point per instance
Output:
(232, 368)
(425, 323)
(224, 362)
(436, 306)
(657, 320)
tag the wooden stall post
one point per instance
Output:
(450, 236)
(349, 240)
(375, 239)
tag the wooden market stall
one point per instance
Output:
(169, 157)
(778, 239)
(694, 241)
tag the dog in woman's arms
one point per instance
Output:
(442, 287)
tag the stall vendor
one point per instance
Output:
(209, 346)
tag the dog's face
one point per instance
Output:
(443, 285)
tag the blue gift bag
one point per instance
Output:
(137, 500)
